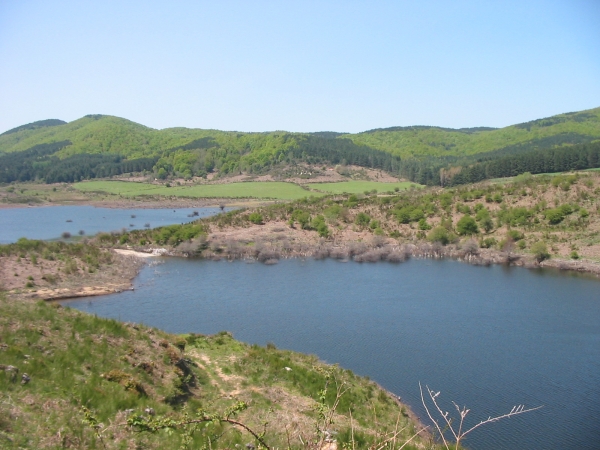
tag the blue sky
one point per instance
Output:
(299, 65)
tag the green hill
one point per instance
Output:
(417, 153)
(36, 125)
(420, 141)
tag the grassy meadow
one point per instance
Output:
(253, 189)
(359, 187)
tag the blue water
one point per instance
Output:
(486, 337)
(50, 222)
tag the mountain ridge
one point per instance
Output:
(416, 152)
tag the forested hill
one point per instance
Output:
(36, 125)
(417, 153)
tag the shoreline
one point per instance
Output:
(130, 262)
(394, 253)
(147, 204)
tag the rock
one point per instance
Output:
(25, 378)
(250, 446)
(150, 411)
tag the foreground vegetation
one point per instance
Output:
(70, 380)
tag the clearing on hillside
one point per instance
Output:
(251, 189)
(358, 187)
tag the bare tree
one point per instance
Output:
(458, 430)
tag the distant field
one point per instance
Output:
(266, 190)
(358, 187)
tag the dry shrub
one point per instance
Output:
(125, 380)
(268, 255)
(470, 247)
(147, 366)
(378, 241)
(233, 250)
(371, 255)
(357, 248)
(216, 246)
(397, 256)
(321, 252)
(339, 253)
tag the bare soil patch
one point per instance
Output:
(23, 277)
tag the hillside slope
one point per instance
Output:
(416, 153)
(419, 142)
(71, 380)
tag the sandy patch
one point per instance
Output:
(134, 253)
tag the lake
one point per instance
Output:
(49, 222)
(486, 337)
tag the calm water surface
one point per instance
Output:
(488, 338)
(49, 222)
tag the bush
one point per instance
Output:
(439, 234)
(423, 225)
(467, 226)
(540, 251)
(362, 219)
(318, 223)
(515, 235)
(302, 217)
(488, 243)
(256, 218)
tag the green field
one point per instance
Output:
(255, 189)
(359, 187)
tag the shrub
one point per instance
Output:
(50, 278)
(362, 219)
(256, 218)
(302, 217)
(333, 212)
(439, 234)
(554, 216)
(318, 223)
(515, 235)
(446, 200)
(540, 251)
(488, 243)
(467, 226)
(423, 225)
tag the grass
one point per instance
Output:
(359, 187)
(254, 189)
(118, 370)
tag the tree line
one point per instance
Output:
(267, 151)
(561, 159)
(40, 164)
